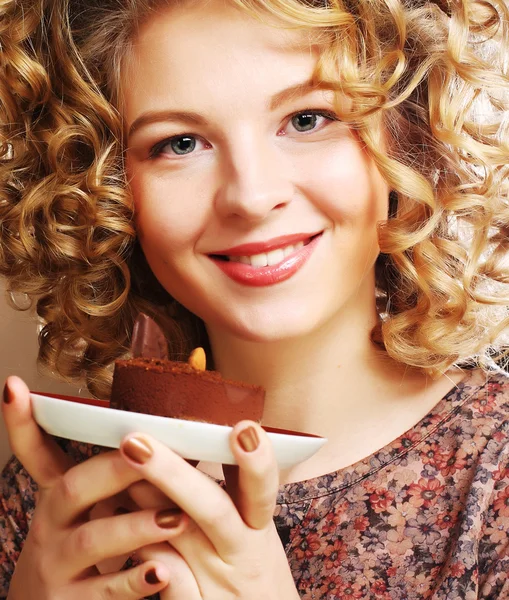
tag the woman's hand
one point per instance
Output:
(60, 553)
(229, 541)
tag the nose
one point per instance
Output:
(256, 179)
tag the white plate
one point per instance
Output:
(79, 419)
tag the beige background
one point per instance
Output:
(18, 353)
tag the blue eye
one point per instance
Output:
(305, 121)
(183, 145)
(311, 120)
(179, 145)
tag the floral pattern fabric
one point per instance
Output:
(425, 517)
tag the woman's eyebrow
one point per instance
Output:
(159, 116)
(295, 91)
(277, 100)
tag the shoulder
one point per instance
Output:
(484, 398)
(483, 427)
(473, 428)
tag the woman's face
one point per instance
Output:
(255, 208)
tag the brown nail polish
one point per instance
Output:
(168, 518)
(151, 577)
(248, 439)
(137, 450)
(7, 394)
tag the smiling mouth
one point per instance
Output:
(267, 259)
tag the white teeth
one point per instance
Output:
(268, 258)
(259, 260)
(275, 256)
(288, 250)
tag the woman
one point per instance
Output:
(321, 195)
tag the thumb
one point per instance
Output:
(254, 483)
(39, 454)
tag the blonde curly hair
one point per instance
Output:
(426, 79)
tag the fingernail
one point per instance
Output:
(248, 439)
(137, 450)
(168, 518)
(8, 397)
(151, 577)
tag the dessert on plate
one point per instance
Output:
(150, 383)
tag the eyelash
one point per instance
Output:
(156, 150)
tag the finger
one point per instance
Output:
(110, 506)
(199, 553)
(139, 495)
(39, 454)
(115, 505)
(86, 484)
(110, 537)
(255, 482)
(183, 582)
(146, 495)
(193, 491)
(134, 584)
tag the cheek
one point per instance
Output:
(167, 217)
(348, 186)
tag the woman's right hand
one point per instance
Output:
(63, 546)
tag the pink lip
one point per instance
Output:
(259, 247)
(264, 276)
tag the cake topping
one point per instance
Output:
(148, 340)
(197, 359)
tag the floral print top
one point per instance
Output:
(425, 517)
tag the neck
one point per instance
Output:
(334, 383)
(309, 376)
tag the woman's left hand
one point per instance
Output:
(229, 542)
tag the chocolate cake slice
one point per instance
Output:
(150, 383)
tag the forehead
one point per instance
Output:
(194, 16)
(192, 47)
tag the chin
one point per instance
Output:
(278, 328)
